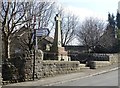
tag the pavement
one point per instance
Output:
(49, 81)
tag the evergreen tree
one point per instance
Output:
(111, 24)
(111, 20)
(118, 29)
(118, 20)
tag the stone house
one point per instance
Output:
(45, 44)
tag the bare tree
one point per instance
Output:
(44, 13)
(69, 25)
(90, 32)
(108, 42)
(41, 14)
(11, 17)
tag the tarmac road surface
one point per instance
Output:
(106, 79)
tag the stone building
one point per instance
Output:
(45, 44)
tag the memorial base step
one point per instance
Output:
(83, 67)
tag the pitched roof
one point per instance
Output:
(50, 39)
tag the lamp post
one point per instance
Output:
(34, 52)
(1, 58)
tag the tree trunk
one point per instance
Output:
(8, 48)
(5, 53)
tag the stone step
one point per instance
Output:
(84, 68)
(97, 64)
(82, 65)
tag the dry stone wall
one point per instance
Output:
(28, 68)
(113, 59)
(47, 68)
(52, 68)
(43, 69)
(97, 64)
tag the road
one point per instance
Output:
(106, 79)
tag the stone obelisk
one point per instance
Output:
(59, 52)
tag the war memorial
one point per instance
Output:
(58, 63)
(57, 44)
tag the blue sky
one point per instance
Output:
(87, 8)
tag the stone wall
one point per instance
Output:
(17, 69)
(98, 64)
(28, 68)
(114, 58)
(52, 68)
(47, 68)
(22, 70)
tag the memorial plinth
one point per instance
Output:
(59, 52)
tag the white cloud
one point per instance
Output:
(87, 8)
(84, 12)
(89, 1)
